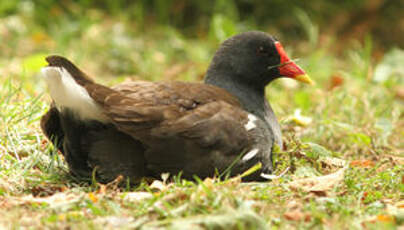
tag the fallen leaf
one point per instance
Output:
(385, 218)
(293, 205)
(294, 215)
(364, 195)
(165, 176)
(401, 203)
(158, 185)
(93, 197)
(4, 185)
(319, 193)
(209, 183)
(137, 196)
(362, 163)
(400, 92)
(332, 162)
(319, 184)
(297, 215)
(54, 201)
(19, 154)
(45, 190)
(115, 183)
(382, 218)
(336, 80)
(44, 144)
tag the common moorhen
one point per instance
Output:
(138, 129)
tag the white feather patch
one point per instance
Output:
(272, 176)
(68, 94)
(250, 155)
(251, 122)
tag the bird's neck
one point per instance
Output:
(252, 100)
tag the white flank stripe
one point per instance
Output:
(251, 122)
(250, 155)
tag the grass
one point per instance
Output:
(347, 123)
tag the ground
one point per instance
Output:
(342, 166)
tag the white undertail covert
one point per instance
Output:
(67, 93)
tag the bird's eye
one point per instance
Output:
(262, 51)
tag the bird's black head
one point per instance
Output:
(254, 59)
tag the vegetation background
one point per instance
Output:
(343, 165)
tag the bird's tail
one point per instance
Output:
(79, 76)
(71, 88)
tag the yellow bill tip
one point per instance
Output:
(305, 79)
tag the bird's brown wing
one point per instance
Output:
(143, 105)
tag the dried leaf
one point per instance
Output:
(297, 215)
(54, 201)
(294, 215)
(137, 196)
(333, 162)
(336, 80)
(362, 163)
(399, 91)
(385, 218)
(364, 195)
(209, 183)
(165, 176)
(4, 184)
(319, 184)
(293, 205)
(93, 197)
(401, 203)
(158, 185)
(44, 190)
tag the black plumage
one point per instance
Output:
(140, 128)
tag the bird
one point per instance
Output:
(138, 129)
